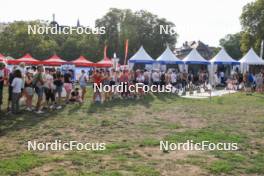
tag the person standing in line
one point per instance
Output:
(97, 80)
(68, 84)
(106, 81)
(2, 79)
(38, 83)
(58, 82)
(173, 79)
(156, 78)
(17, 85)
(10, 79)
(124, 79)
(49, 89)
(83, 80)
(29, 91)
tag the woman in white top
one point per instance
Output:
(17, 87)
(83, 80)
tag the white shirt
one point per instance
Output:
(140, 78)
(83, 79)
(49, 81)
(173, 77)
(2, 73)
(155, 77)
(17, 85)
(222, 74)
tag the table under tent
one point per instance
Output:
(251, 62)
(141, 60)
(81, 63)
(193, 63)
(168, 60)
(222, 62)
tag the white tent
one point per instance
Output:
(251, 58)
(141, 56)
(194, 58)
(167, 57)
(223, 58)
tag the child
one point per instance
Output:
(17, 86)
(75, 96)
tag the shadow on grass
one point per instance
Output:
(26, 120)
(145, 101)
(23, 120)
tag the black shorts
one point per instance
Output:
(49, 94)
(10, 88)
(112, 83)
(156, 83)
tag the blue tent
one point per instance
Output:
(167, 57)
(141, 57)
(195, 58)
(223, 58)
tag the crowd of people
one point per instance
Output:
(248, 81)
(48, 84)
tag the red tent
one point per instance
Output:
(106, 62)
(54, 60)
(27, 59)
(2, 58)
(82, 62)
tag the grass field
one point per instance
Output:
(132, 130)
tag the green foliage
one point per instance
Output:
(16, 41)
(21, 163)
(231, 43)
(204, 134)
(252, 20)
(257, 162)
(220, 167)
(140, 28)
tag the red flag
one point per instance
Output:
(105, 49)
(126, 51)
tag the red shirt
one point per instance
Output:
(97, 79)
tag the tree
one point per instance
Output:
(16, 41)
(231, 43)
(140, 28)
(252, 21)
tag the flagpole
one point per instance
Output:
(126, 51)
(261, 49)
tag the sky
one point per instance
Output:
(205, 20)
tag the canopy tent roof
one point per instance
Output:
(2, 58)
(141, 56)
(194, 58)
(223, 57)
(106, 62)
(54, 60)
(251, 58)
(27, 59)
(82, 62)
(167, 57)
